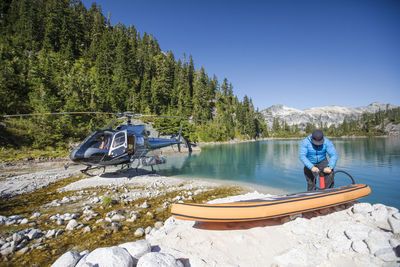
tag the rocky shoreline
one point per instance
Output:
(111, 219)
(358, 234)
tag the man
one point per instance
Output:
(312, 153)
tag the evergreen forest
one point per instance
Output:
(60, 56)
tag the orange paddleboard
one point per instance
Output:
(260, 209)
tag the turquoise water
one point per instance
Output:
(275, 163)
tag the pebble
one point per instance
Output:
(35, 215)
(71, 225)
(145, 205)
(139, 232)
(158, 225)
(24, 221)
(147, 230)
(117, 218)
(87, 229)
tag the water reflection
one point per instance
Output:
(374, 161)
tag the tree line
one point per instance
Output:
(60, 56)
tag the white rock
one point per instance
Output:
(66, 200)
(24, 221)
(117, 218)
(147, 230)
(394, 224)
(380, 214)
(139, 232)
(111, 256)
(68, 259)
(7, 251)
(17, 237)
(158, 225)
(357, 232)
(394, 242)
(145, 205)
(137, 249)
(51, 233)
(363, 208)
(377, 240)
(293, 257)
(35, 215)
(82, 262)
(34, 233)
(154, 259)
(396, 215)
(386, 254)
(360, 247)
(71, 225)
(95, 200)
(87, 229)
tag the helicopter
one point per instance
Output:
(127, 144)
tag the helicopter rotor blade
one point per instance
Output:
(57, 113)
(170, 117)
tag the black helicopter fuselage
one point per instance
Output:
(120, 146)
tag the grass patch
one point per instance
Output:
(12, 154)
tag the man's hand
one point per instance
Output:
(314, 169)
(327, 170)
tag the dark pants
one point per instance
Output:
(311, 183)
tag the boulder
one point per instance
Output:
(137, 249)
(68, 259)
(110, 256)
(360, 247)
(362, 208)
(377, 240)
(157, 259)
(394, 225)
(386, 254)
(357, 232)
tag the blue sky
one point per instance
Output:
(299, 53)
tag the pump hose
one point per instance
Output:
(340, 171)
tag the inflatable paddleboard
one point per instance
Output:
(260, 209)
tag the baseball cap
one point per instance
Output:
(317, 137)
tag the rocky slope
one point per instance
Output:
(328, 114)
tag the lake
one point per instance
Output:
(275, 163)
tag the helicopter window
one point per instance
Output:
(119, 139)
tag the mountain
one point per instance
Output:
(326, 115)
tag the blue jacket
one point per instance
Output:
(311, 154)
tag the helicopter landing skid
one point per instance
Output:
(85, 171)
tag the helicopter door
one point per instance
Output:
(131, 144)
(119, 144)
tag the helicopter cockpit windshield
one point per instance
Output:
(101, 140)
